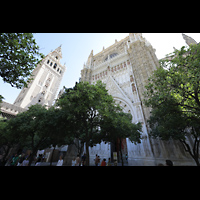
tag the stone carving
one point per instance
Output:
(188, 39)
(125, 73)
(133, 87)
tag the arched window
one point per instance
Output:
(55, 65)
(111, 56)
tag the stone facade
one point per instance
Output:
(125, 68)
(46, 81)
(9, 110)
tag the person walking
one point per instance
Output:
(109, 162)
(14, 160)
(103, 163)
(78, 160)
(60, 162)
(84, 159)
(96, 160)
(169, 163)
(25, 162)
(74, 162)
(38, 162)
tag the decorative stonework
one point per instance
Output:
(125, 67)
(46, 80)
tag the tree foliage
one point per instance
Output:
(37, 128)
(86, 112)
(93, 115)
(173, 93)
(19, 55)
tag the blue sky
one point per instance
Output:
(76, 48)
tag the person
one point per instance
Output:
(38, 162)
(109, 162)
(25, 162)
(21, 158)
(74, 162)
(96, 160)
(84, 159)
(103, 163)
(60, 162)
(78, 161)
(14, 160)
(169, 163)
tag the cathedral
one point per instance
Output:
(125, 68)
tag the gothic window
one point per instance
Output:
(55, 65)
(51, 64)
(58, 70)
(48, 61)
(56, 57)
(113, 55)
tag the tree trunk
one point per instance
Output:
(195, 154)
(196, 160)
(87, 155)
(31, 157)
(4, 160)
(121, 151)
(52, 156)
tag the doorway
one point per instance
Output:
(115, 147)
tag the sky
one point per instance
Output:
(76, 47)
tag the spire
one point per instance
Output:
(91, 54)
(135, 36)
(188, 40)
(90, 60)
(58, 50)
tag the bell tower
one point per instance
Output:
(45, 84)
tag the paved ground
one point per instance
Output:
(54, 164)
(45, 164)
